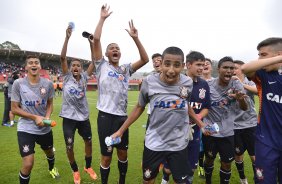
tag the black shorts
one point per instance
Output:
(177, 162)
(69, 128)
(27, 142)
(222, 145)
(245, 140)
(107, 125)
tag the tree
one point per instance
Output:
(9, 45)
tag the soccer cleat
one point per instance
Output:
(244, 181)
(201, 172)
(164, 181)
(91, 173)
(54, 173)
(76, 177)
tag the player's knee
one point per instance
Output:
(69, 148)
(106, 161)
(226, 166)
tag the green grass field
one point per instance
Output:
(10, 160)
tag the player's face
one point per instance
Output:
(226, 71)
(207, 68)
(113, 53)
(33, 66)
(268, 52)
(196, 68)
(237, 70)
(157, 61)
(172, 65)
(76, 68)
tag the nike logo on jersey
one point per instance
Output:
(230, 158)
(270, 82)
(183, 177)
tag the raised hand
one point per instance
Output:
(105, 13)
(133, 32)
(68, 32)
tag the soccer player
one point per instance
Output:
(200, 103)
(245, 124)
(207, 72)
(75, 111)
(32, 100)
(266, 72)
(157, 61)
(113, 81)
(226, 95)
(166, 138)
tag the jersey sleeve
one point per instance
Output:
(16, 96)
(143, 95)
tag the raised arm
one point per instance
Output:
(64, 62)
(97, 50)
(133, 32)
(251, 67)
(91, 67)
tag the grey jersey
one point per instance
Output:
(168, 127)
(33, 99)
(247, 119)
(10, 85)
(75, 104)
(223, 107)
(112, 87)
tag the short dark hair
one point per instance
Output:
(209, 60)
(193, 56)
(223, 60)
(239, 62)
(174, 51)
(156, 55)
(276, 42)
(31, 56)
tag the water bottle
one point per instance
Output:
(49, 122)
(72, 25)
(213, 128)
(110, 141)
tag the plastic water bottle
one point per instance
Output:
(72, 25)
(213, 128)
(49, 122)
(110, 141)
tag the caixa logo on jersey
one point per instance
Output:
(35, 103)
(76, 92)
(120, 77)
(173, 104)
(274, 98)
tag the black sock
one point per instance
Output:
(201, 158)
(165, 175)
(122, 166)
(24, 179)
(224, 176)
(240, 168)
(88, 161)
(51, 162)
(74, 166)
(208, 173)
(104, 174)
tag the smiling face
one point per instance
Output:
(172, 65)
(157, 61)
(225, 72)
(113, 53)
(33, 66)
(207, 68)
(75, 68)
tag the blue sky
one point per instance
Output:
(216, 28)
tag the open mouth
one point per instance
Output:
(34, 69)
(227, 77)
(115, 55)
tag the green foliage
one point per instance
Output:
(9, 45)
(11, 161)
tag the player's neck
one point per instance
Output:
(33, 79)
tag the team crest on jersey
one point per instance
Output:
(147, 173)
(121, 70)
(43, 91)
(183, 92)
(26, 148)
(109, 149)
(202, 93)
(259, 173)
